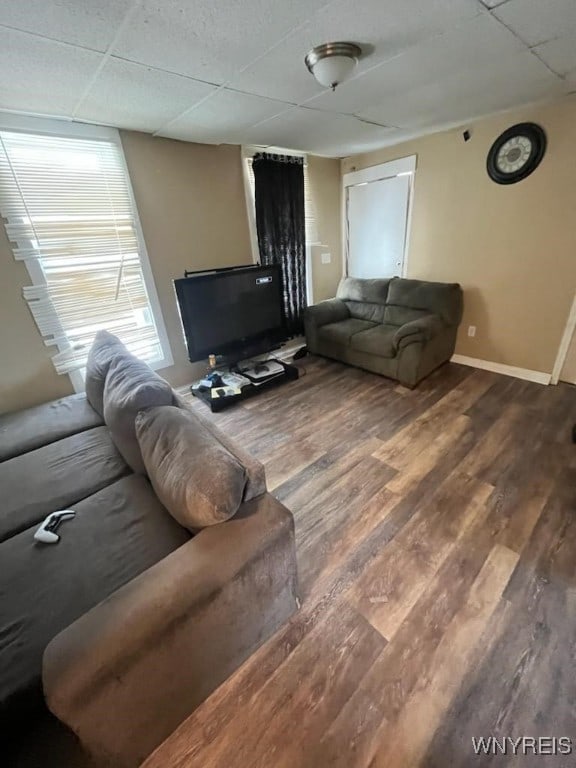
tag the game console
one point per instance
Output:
(263, 370)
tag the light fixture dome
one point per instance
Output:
(332, 63)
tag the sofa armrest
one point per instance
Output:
(329, 311)
(421, 330)
(125, 674)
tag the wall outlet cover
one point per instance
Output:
(326, 258)
(472, 330)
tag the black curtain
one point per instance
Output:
(279, 198)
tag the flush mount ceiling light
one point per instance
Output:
(332, 63)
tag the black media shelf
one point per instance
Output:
(217, 404)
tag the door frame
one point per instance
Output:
(403, 166)
(565, 342)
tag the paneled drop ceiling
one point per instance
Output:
(232, 70)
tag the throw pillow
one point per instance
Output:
(194, 476)
(102, 351)
(131, 386)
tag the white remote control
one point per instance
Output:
(47, 531)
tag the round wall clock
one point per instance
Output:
(516, 153)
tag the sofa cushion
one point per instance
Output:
(365, 299)
(55, 477)
(32, 428)
(442, 299)
(117, 534)
(131, 386)
(255, 471)
(362, 310)
(194, 476)
(358, 289)
(377, 341)
(398, 316)
(101, 354)
(342, 332)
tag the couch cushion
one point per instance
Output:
(32, 428)
(442, 299)
(102, 351)
(56, 476)
(362, 310)
(359, 289)
(398, 316)
(255, 472)
(117, 534)
(342, 332)
(131, 386)
(376, 341)
(194, 476)
(365, 299)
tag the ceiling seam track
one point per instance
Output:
(50, 39)
(530, 48)
(107, 55)
(251, 63)
(154, 68)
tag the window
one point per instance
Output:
(71, 217)
(312, 237)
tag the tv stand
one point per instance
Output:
(218, 404)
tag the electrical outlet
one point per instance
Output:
(326, 258)
(471, 330)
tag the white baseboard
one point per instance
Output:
(506, 370)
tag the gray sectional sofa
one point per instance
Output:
(112, 636)
(399, 328)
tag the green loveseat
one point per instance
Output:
(402, 329)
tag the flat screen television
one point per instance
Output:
(232, 313)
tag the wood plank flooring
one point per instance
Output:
(436, 538)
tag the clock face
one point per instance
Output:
(516, 153)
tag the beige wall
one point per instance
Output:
(513, 248)
(192, 207)
(324, 179)
(191, 202)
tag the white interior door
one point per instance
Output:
(377, 212)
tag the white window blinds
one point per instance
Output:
(310, 223)
(69, 213)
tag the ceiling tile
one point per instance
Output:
(520, 79)
(429, 63)
(536, 21)
(318, 132)
(382, 29)
(227, 113)
(284, 65)
(559, 54)
(80, 22)
(136, 97)
(206, 39)
(42, 76)
(473, 45)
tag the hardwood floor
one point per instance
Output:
(436, 536)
